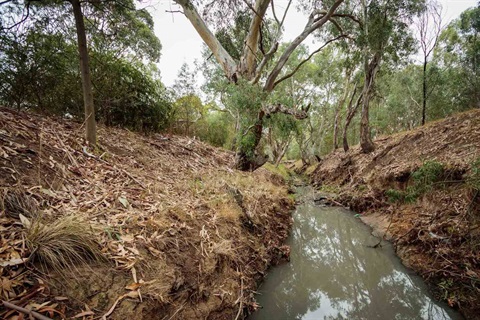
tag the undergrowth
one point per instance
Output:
(429, 176)
(474, 177)
(425, 178)
(281, 170)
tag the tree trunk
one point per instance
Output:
(221, 55)
(90, 125)
(244, 160)
(424, 102)
(336, 120)
(371, 68)
(282, 151)
(248, 60)
(350, 114)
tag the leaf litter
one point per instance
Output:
(158, 208)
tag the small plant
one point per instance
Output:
(395, 195)
(474, 177)
(427, 175)
(63, 244)
(424, 180)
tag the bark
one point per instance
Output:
(424, 101)
(221, 55)
(336, 120)
(90, 125)
(366, 142)
(350, 114)
(248, 61)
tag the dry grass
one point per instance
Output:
(64, 244)
(15, 201)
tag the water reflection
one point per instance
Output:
(334, 275)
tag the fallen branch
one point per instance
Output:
(240, 299)
(34, 314)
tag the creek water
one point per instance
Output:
(333, 274)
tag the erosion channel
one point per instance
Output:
(335, 274)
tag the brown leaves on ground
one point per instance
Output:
(158, 206)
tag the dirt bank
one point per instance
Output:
(169, 230)
(422, 188)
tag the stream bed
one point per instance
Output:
(333, 274)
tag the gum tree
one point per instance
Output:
(259, 69)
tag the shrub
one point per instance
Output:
(424, 179)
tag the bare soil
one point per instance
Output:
(438, 235)
(185, 236)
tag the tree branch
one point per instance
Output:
(247, 62)
(307, 59)
(24, 18)
(314, 22)
(221, 55)
(280, 108)
(263, 63)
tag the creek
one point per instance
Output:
(334, 274)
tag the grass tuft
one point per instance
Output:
(64, 244)
(16, 202)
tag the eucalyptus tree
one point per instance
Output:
(385, 35)
(458, 54)
(258, 69)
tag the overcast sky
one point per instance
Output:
(181, 43)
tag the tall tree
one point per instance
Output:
(250, 68)
(429, 27)
(105, 18)
(90, 124)
(385, 34)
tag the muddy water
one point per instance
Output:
(334, 275)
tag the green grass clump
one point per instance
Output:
(424, 180)
(281, 170)
(474, 177)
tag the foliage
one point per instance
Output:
(280, 170)
(474, 177)
(39, 63)
(424, 180)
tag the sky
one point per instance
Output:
(181, 43)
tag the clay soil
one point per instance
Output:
(184, 235)
(438, 235)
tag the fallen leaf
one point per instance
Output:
(83, 314)
(134, 286)
(24, 220)
(123, 201)
(61, 298)
(13, 262)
